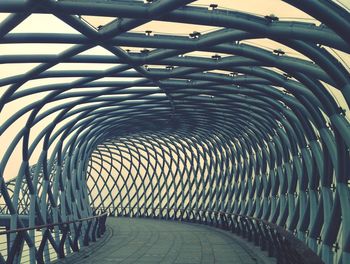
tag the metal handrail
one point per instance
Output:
(77, 235)
(39, 227)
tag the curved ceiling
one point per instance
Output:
(264, 88)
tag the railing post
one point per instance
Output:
(86, 235)
(13, 253)
(64, 231)
(95, 231)
(40, 252)
(77, 231)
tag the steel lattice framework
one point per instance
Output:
(253, 132)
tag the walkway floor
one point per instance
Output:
(135, 240)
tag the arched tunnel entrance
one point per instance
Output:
(233, 114)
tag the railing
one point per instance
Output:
(278, 242)
(48, 242)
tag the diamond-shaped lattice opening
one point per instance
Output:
(173, 28)
(3, 16)
(43, 23)
(97, 50)
(80, 65)
(13, 69)
(97, 22)
(137, 50)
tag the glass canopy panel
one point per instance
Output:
(272, 45)
(98, 50)
(259, 8)
(97, 21)
(157, 67)
(136, 49)
(220, 72)
(13, 69)
(338, 97)
(173, 28)
(83, 66)
(43, 23)
(33, 49)
(3, 16)
(205, 54)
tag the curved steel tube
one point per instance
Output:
(257, 133)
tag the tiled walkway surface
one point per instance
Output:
(156, 241)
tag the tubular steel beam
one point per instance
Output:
(251, 139)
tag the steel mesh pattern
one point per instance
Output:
(247, 130)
